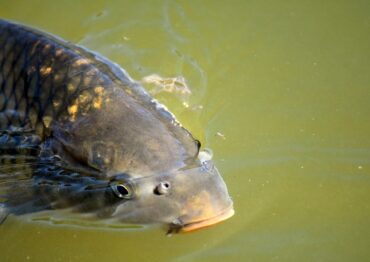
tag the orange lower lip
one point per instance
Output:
(209, 222)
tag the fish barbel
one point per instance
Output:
(77, 132)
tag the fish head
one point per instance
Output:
(186, 199)
(153, 164)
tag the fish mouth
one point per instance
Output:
(226, 214)
(189, 227)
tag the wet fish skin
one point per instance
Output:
(45, 80)
(40, 77)
(107, 130)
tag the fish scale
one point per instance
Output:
(29, 93)
(28, 66)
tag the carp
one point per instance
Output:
(78, 133)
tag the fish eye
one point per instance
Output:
(122, 191)
(162, 188)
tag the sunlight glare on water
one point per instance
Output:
(279, 92)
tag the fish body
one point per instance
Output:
(93, 140)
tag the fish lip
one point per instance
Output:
(188, 227)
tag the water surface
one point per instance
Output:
(280, 92)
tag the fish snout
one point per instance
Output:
(202, 211)
(209, 201)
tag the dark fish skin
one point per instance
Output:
(77, 132)
(41, 76)
(35, 182)
(45, 80)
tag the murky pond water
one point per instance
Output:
(280, 92)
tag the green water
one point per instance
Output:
(280, 92)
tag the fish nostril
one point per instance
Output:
(162, 188)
